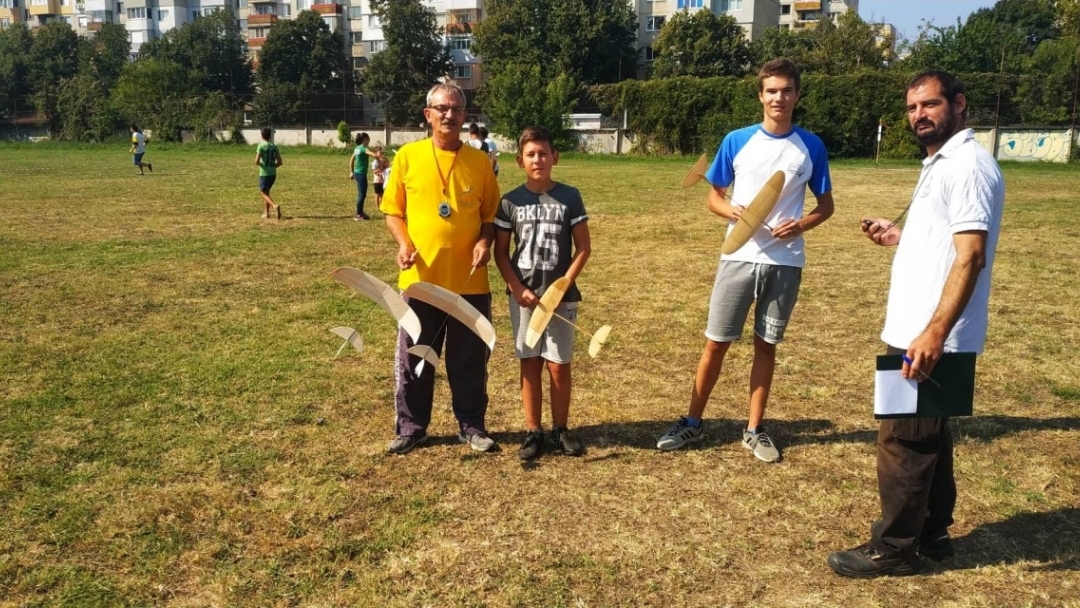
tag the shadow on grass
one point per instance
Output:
(316, 217)
(810, 431)
(1049, 538)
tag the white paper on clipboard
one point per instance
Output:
(894, 394)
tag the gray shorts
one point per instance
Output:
(739, 284)
(557, 343)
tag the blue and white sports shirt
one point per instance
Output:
(749, 157)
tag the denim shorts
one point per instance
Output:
(136, 159)
(266, 182)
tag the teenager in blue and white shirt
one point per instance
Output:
(768, 268)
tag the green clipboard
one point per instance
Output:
(952, 395)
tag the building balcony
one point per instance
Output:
(255, 43)
(262, 1)
(807, 5)
(327, 9)
(51, 7)
(459, 28)
(95, 26)
(268, 19)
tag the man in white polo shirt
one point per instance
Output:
(767, 269)
(938, 300)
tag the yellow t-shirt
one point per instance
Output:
(444, 245)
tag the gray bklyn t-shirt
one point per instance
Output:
(542, 224)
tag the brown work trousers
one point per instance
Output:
(915, 482)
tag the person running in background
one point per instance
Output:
(268, 159)
(138, 148)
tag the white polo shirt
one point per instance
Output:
(960, 189)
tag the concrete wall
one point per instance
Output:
(1049, 144)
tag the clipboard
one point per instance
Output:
(953, 395)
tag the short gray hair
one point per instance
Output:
(447, 88)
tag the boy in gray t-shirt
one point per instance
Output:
(551, 238)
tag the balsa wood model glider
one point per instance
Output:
(545, 310)
(382, 294)
(454, 306)
(753, 215)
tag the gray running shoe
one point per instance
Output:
(479, 442)
(681, 434)
(762, 445)
(403, 444)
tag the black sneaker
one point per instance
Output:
(151, 167)
(403, 444)
(561, 439)
(865, 561)
(533, 446)
(936, 547)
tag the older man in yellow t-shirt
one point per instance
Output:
(440, 206)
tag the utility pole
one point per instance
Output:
(1073, 143)
(997, 111)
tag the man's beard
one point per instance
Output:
(940, 133)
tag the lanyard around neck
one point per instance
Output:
(445, 180)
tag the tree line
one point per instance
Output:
(542, 59)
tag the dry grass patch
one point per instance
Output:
(174, 431)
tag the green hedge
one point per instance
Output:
(692, 115)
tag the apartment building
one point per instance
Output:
(12, 12)
(755, 16)
(803, 14)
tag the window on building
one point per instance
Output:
(691, 3)
(163, 15)
(462, 71)
(357, 37)
(459, 43)
(288, 10)
(730, 5)
(785, 9)
(355, 12)
(5, 23)
(39, 2)
(374, 21)
(265, 9)
(654, 24)
(358, 62)
(137, 13)
(650, 54)
(377, 46)
(69, 20)
(82, 21)
(210, 10)
(7, 4)
(258, 32)
(303, 5)
(65, 2)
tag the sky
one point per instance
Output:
(907, 15)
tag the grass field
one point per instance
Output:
(175, 432)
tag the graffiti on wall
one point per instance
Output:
(1050, 146)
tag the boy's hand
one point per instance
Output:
(406, 256)
(787, 229)
(525, 297)
(350, 175)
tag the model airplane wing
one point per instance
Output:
(697, 172)
(541, 315)
(755, 214)
(383, 295)
(456, 306)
